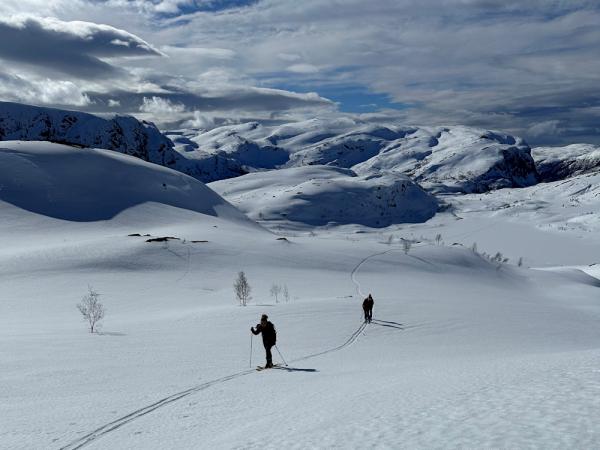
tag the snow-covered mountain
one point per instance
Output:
(440, 158)
(224, 152)
(557, 163)
(322, 195)
(124, 134)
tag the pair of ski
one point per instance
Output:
(259, 368)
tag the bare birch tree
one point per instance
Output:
(242, 289)
(91, 309)
(286, 293)
(275, 291)
(406, 245)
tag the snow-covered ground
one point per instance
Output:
(462, 353)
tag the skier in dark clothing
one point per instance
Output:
(368, 308)
(269, 337)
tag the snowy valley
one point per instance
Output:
(466, 349)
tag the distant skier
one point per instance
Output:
(368, 308)
(269, 337)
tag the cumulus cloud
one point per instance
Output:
(161, 107)
(199, 121)
(41, 91)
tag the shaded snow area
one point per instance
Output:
(463, 351)
(325, 195)
(557, 163)
(90, 184)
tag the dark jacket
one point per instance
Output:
(269, 335)
(368, 303)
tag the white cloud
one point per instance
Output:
(200, 121)
(199, 52)
(153, 6)
(493, 63)
(549, 127)
(44, 91)
(161, 107)
(303, 68)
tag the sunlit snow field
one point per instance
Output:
(462, 353)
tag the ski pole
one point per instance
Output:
(251, 340)
(281, 355)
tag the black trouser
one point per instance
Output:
(269, 355)
(368, 315)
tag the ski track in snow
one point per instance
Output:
(359, 265)
(99, 432)
(116, 424)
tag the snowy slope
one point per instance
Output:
(461, 354)
(557, 163)
(325, 195)
(549, 224)
(567, 205)
(82, 184)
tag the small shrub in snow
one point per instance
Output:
(286, 293)
(242, 289)
(275, 291)
(406, 245)
(499, 260)
(474, 247)
(91, 309)
(520, 263)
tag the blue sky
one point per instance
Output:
(351, 99)
(531, 68)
